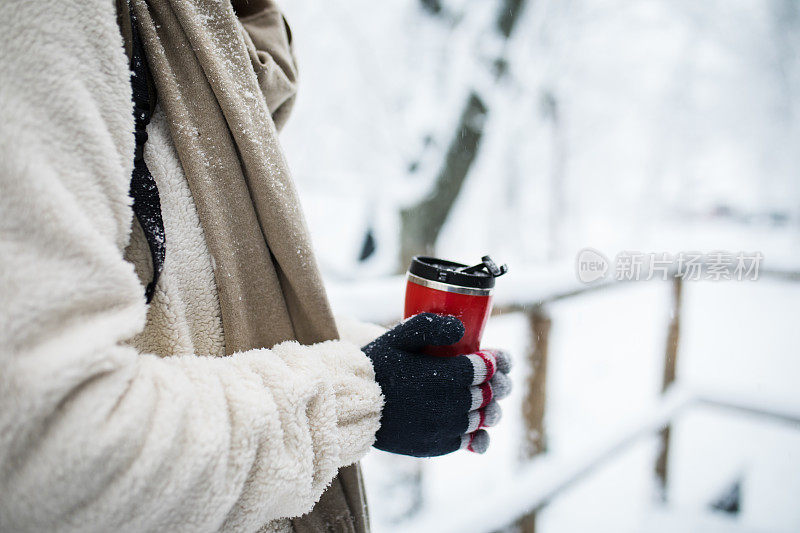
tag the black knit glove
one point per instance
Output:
(435, 405)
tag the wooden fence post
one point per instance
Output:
(670, 364)
(533, 406)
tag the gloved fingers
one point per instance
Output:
(425, 329)
(477, 441)
(480, 396)
(486, 417)
(492, 414)
(503, 359)
(486, 363)
(501, 385)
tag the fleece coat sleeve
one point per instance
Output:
(95, 436)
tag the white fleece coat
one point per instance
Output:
(115, 415)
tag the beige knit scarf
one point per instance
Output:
(210, 70)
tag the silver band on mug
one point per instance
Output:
(446, 287)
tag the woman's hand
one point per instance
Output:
(435, 405)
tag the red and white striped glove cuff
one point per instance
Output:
(484, 365)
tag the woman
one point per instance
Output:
(190, 377)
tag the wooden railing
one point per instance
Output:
(545, 477)
(535, 400)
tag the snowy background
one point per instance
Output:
(651, 125)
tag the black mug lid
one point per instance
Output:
(480, 276)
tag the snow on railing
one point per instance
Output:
(545, 476)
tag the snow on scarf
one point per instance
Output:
(217, 78)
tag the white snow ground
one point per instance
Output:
(678, 132)
(605, 370)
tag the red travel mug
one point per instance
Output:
(448, 288)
